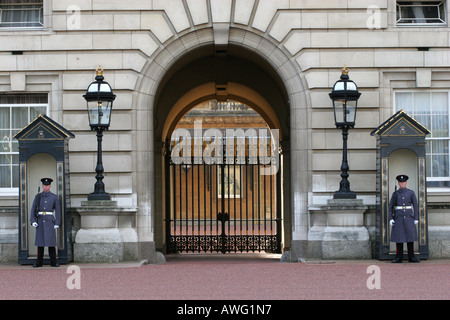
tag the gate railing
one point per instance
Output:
(225, 207)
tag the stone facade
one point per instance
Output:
(145, 47)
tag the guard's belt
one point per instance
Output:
(403, 207)
(43, 213)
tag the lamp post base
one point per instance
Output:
(99, 196)
(344, 195)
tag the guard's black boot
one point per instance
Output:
(52, 254)
(399, 253)
(397, 260)
(40, 258)
(411, 256)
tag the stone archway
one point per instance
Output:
(268, 73)
(240, 73)
(237, 75)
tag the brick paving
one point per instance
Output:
(229, 277)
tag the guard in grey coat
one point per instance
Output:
(404, 215)
(42, 218)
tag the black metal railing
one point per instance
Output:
(221, 207)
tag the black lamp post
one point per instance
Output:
(99, 98)
(345, 97)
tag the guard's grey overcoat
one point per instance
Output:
(45, 231)
(404, 229)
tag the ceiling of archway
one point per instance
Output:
(203, 66)
(222, 114)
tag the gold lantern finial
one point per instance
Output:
(345, 71)
(99, 71)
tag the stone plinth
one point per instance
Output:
(8, 234)
(107, 233)
(338, 230)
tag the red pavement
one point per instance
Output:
(229, 277)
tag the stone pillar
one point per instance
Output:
(338, 231)
(107, 233)
(345, 236)
(9, 234)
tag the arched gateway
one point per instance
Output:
(262, 78)
(222, 181)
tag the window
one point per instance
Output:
(231, 182)
(421, 12)
(431, 109)
(21, 13)
(16, 111)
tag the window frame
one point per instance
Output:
(398, 4)
(41, 19)
(14, 191)
(429, 137)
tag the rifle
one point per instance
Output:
(36, 210)
(394, 209)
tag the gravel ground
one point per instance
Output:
(194, 277)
